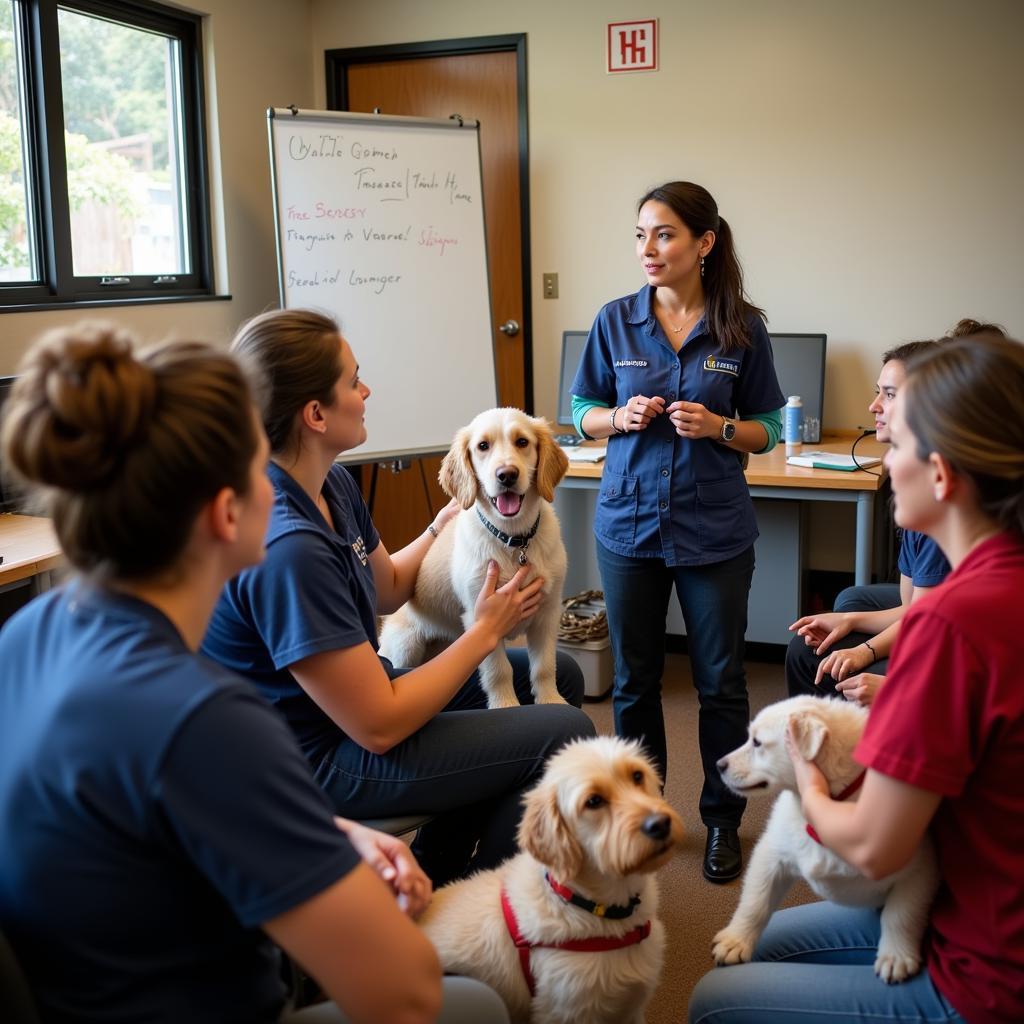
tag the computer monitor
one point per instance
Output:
(800, 367)
(572, 349)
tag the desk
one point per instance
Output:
(779, 491)
(30, 550)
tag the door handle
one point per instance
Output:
(510, 328)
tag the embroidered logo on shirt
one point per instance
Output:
(359, 547)
(720, 365)
(630, 362)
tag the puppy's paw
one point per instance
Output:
(502, 700)
(731, 947)
(548, 695)
(893, 965)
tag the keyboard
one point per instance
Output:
(568, 440)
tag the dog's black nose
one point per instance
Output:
(507, 476)
(656, 826)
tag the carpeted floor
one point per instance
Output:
(692, 908)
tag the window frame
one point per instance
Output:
(57, 285)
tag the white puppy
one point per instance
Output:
(827, 732)
(593, 832)
(503, 469)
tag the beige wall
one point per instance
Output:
(868, 155)
(257, 56)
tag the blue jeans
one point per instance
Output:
(801, 661)
(814, 963)
(468, 765)
(713, 599)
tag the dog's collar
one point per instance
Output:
(846, 794)
(597, 944)
(614, 912)
(520, 540)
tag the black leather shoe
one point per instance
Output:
(723, 860)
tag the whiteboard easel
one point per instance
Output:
(380, 222)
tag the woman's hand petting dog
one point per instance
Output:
(393, 861)
(503, 608)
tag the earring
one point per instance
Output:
(702, 266)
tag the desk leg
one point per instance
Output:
(865, 537)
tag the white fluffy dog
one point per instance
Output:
(826, 732)
(581, 899)
(503, 468)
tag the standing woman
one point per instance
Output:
(944, 744)
(303, 627)
(680, 378)
(157, 820)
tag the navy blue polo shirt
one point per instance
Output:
(922, 560)
(662, 495)
(313, 592)
(154, 812)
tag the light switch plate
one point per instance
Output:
(550, 286)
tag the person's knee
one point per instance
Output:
(564, 723)
(801, 665)
(712, 993)
(569, 678)
(468, 1001)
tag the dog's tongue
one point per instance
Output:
(509, 503)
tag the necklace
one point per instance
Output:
(682, 327)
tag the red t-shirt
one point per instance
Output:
(950, 719)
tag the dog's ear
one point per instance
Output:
(456, 477)
(552, 462)
(546, 836)
(810, 733)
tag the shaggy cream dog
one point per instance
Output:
(827, 732)
(594, 831)
(503, 469)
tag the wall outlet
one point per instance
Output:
(550, 286)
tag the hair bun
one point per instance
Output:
(80, 406)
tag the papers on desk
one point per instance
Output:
(585, 453)
(832, 460)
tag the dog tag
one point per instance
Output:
(522, 558)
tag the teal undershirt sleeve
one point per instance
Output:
(580, 407)
(771, 421)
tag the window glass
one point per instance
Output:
(123, 132)
(18, 250)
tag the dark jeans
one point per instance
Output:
(469, 765)
(801, 661)
(713, 599)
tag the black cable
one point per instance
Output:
(423, 473)
(853, 449)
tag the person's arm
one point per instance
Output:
(636, 414)
(580, 407)
(365, 953)
(693, 420)
(772, 423)
(878, 833)
(394, 576)
(351, 687)
(844, 664)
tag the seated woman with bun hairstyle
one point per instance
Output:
(159, 827)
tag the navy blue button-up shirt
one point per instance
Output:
(662, 495)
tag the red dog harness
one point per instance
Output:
(846, 793)
(598, 944)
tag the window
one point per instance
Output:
(102, 153)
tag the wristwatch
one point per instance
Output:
(728, 429)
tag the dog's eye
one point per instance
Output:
(638, 777)
(594, 801)
(522, 442)
(483, 446)
(755, 741)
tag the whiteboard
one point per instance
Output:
(380, 222)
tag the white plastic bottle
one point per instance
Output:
(792, 417)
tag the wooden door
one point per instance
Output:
(482, 86)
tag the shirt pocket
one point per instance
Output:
(725, 514)
(617, 505)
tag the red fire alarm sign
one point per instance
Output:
(633, 45)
